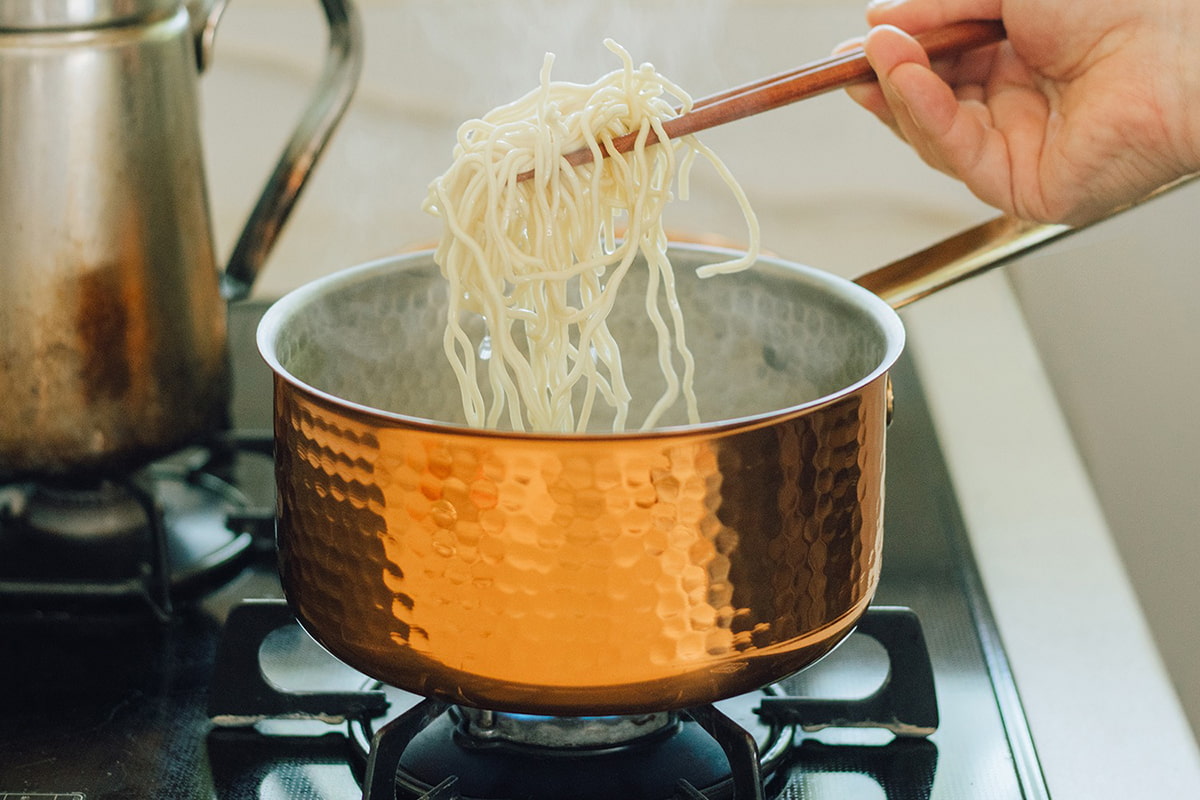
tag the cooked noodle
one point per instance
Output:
(542, 260)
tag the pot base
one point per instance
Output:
(714, 681)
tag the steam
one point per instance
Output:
(487, 52)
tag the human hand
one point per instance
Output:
(1085, 107)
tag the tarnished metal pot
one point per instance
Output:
(113, 349)
(594, 573)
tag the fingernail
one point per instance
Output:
(849, 44)
(879, 5)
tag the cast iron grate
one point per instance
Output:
(905, 704)
(191, 529)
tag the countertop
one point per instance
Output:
(1104, 716)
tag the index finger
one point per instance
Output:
(915, 16)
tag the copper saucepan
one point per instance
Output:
(596, 573)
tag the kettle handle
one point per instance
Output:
(343, 64)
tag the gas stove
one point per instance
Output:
(174, 670)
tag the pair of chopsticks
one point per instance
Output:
(809, 80)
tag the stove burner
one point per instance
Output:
(436, 751)
(701, 754)
(103, 512)
(482, 728)
(165, 534)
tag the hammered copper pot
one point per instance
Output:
(595, 573)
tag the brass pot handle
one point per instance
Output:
(974, 251)
(343, 65)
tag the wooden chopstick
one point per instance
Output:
(812, 79)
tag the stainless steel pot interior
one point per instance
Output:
(774, 338)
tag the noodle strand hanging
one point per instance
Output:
(542, 260)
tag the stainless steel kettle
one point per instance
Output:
(112, 306)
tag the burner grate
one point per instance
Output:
(902, 704)
(395, 757)
(163, 535)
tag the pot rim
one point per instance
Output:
(293, 302)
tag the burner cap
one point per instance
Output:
(483, 728)
(99, 512)
(516, 757)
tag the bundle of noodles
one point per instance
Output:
(542, 260)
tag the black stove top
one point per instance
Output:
(103, 699)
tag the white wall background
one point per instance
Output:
(1114, 310)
